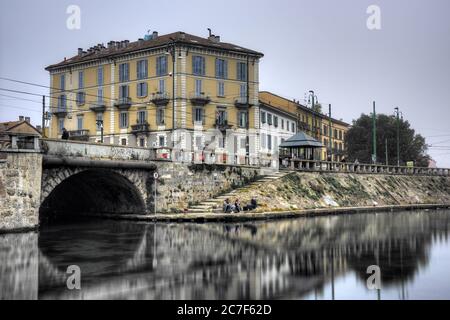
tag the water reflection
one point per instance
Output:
(309, 258)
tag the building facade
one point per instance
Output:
(302, 118)
(196, 95)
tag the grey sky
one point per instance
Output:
(320, 45)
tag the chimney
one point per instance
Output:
(154, 35)
(182, 35)
(80, 51)
(39, 128)
(21, 118)
(27, 119)
(217, 39)
(110, 44)
(125, 43)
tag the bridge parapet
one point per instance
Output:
(94, 151)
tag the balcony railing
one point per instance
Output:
(81, 135)
(160, 98)
(140, 128)
(60, 112)
(327, 166)
(199, 98)
(123, 103)
(242, 102)
(222, 124)
(99, 106)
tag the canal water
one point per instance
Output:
(307, 258)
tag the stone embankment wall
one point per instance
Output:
(180, 185)
(298, 190)
(20, 189)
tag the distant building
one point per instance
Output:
(19, 135)
(301, 118)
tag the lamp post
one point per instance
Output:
(397, 113)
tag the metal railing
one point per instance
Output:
(344, 167)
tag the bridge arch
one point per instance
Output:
(75, 190)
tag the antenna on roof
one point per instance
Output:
(210, 33)
(148, 36)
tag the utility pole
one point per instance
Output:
(313, 103)
(330, 132)
(43, 116)
(173, 94)
(374, 135)
(397, 111)
(247, 139)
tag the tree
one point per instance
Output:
(359, 141)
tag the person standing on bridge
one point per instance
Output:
(65, 134)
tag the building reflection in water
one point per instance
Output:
(261, 260)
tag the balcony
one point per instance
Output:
(60, 112)
(242, 103)
(222, 125)
(123, 103)
(140, 128)
(199, 98)
(99, 106)
(79, 135)
(161, 99)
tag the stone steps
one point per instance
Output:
(215, 204)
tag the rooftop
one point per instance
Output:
(151, 41)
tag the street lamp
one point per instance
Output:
(397, 113)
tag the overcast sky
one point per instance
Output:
(320, 45)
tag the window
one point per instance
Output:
(242, 71)
(221, 68)
(100, 76)
(275, 121)
(80, 123)
(81, 97)
(198, 87)
(293, 127)
(62, 102)
(198, 65)
(222, 141)
(123, 121)
(141, 69)
(335, 134)
(221, 117)
(62, 82)
(60, 124)
(243, 91)
(99, 121)
(243, 119)
(269, 142)
(282, 124)
(160, 116)
(198, 115)
(141, 117)
(142, 89)
(124, 141)
(123, 92)
(162, 86)
(263, 140)
(162, 141)
(340, 135)
(161, 66)
(99, 94)
(287, 125)
(220, 89)
(269, 119)
(263, 117)
(124, 72)
(80, 79)
(325, 130)
(142, 142)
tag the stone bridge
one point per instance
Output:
(73, 177)
(91, 178)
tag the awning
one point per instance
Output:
(301, 140)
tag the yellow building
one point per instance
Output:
(160, 91)
(315, 124)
